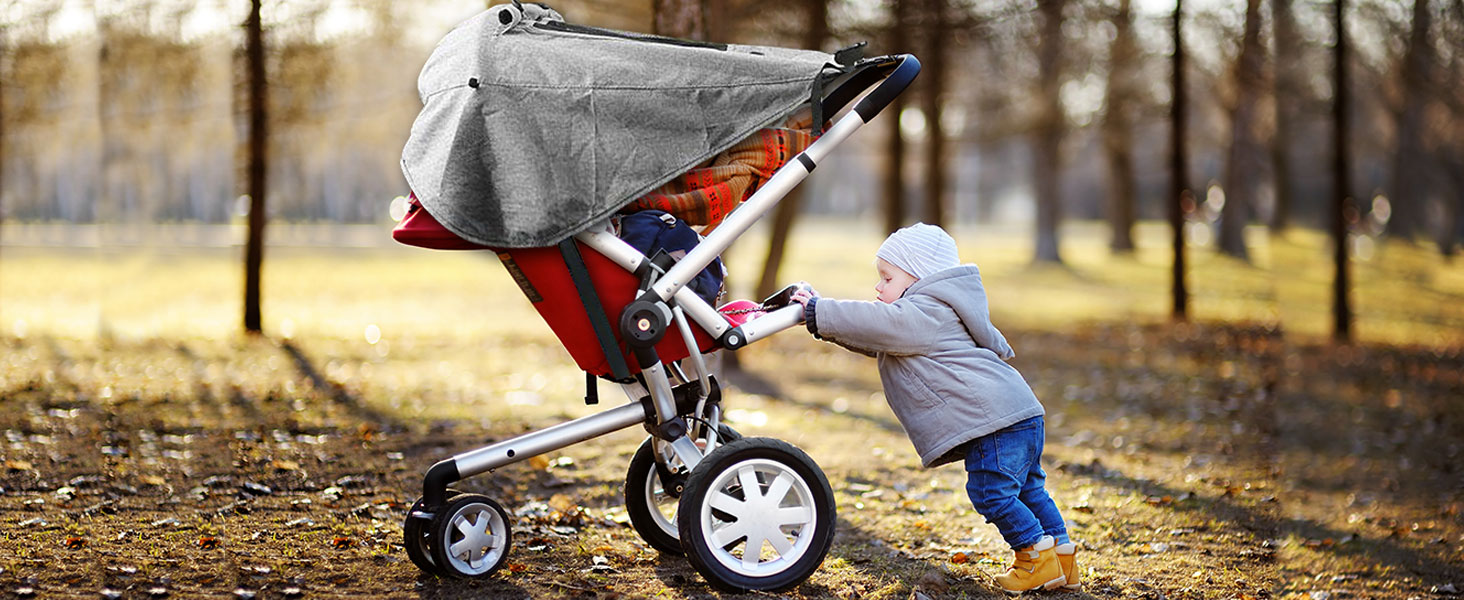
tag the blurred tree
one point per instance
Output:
(1411, 160)
(1048, 129)
(680, 18)
(1179, 194)
(1454, 33)
(305, 103)
(816, 33)
(1117, 127)
(1243, 168)
(894, 183)
(1341, 169)
(1286, 90)
(4, 73)
(936, 57)
(149, 78)
(258, 140)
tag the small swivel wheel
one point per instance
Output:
(757, 514)
(650, 499)
(417, 536)
(469, 536)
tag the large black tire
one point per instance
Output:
(762, 490)
(417, 537)
(470, 537)
(651, 507)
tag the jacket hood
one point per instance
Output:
(960, 288)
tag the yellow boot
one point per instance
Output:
(1067, 556)
(1035, 567)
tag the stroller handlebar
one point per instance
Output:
(897, 71)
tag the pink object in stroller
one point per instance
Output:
(748, 513)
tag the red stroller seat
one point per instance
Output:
(545, 279)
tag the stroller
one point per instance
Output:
(533, 135)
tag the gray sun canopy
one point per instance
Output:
(533, 129)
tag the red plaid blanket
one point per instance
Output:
(705, 195)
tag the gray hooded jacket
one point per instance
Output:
(941, 361)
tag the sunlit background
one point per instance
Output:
(124, 132)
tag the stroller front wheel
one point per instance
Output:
(470, 536)
(757, 514)
(417, 537)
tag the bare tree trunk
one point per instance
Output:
(4, 47)
(1178, 167)
(1410, 168)
(1241, 170)
(680, 18)
(1047, 159)
(817, 12)
(894, 184)
(1456, 150)
(254, 250)
(1285, 90)
(1341, 282)
(719, 19)
(1118, 129)
(936, 53)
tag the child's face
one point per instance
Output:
(893, 281)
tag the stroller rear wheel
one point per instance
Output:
(470, 536)
(651, 502)
(757, 514)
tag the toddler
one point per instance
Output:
(942, 365)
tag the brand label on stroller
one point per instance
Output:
(519, 278)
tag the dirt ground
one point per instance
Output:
(1193, 461)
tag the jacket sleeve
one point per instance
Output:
(810, 319)
(901, 328)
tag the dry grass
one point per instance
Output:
(1214, 460)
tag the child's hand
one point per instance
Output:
(805, 293)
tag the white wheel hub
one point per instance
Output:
(758, 518)
(476, 538)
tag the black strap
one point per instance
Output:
(592, 389)
(591, 301)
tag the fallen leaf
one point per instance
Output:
(517, 567)
(1083, 508)
(18, 465)
(342, 542)
(960, 558)
(285, 465)
(539, 462)
(74, 542)
(208, 542)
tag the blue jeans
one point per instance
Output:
(1004, 479)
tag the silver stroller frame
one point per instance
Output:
(667, 303)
